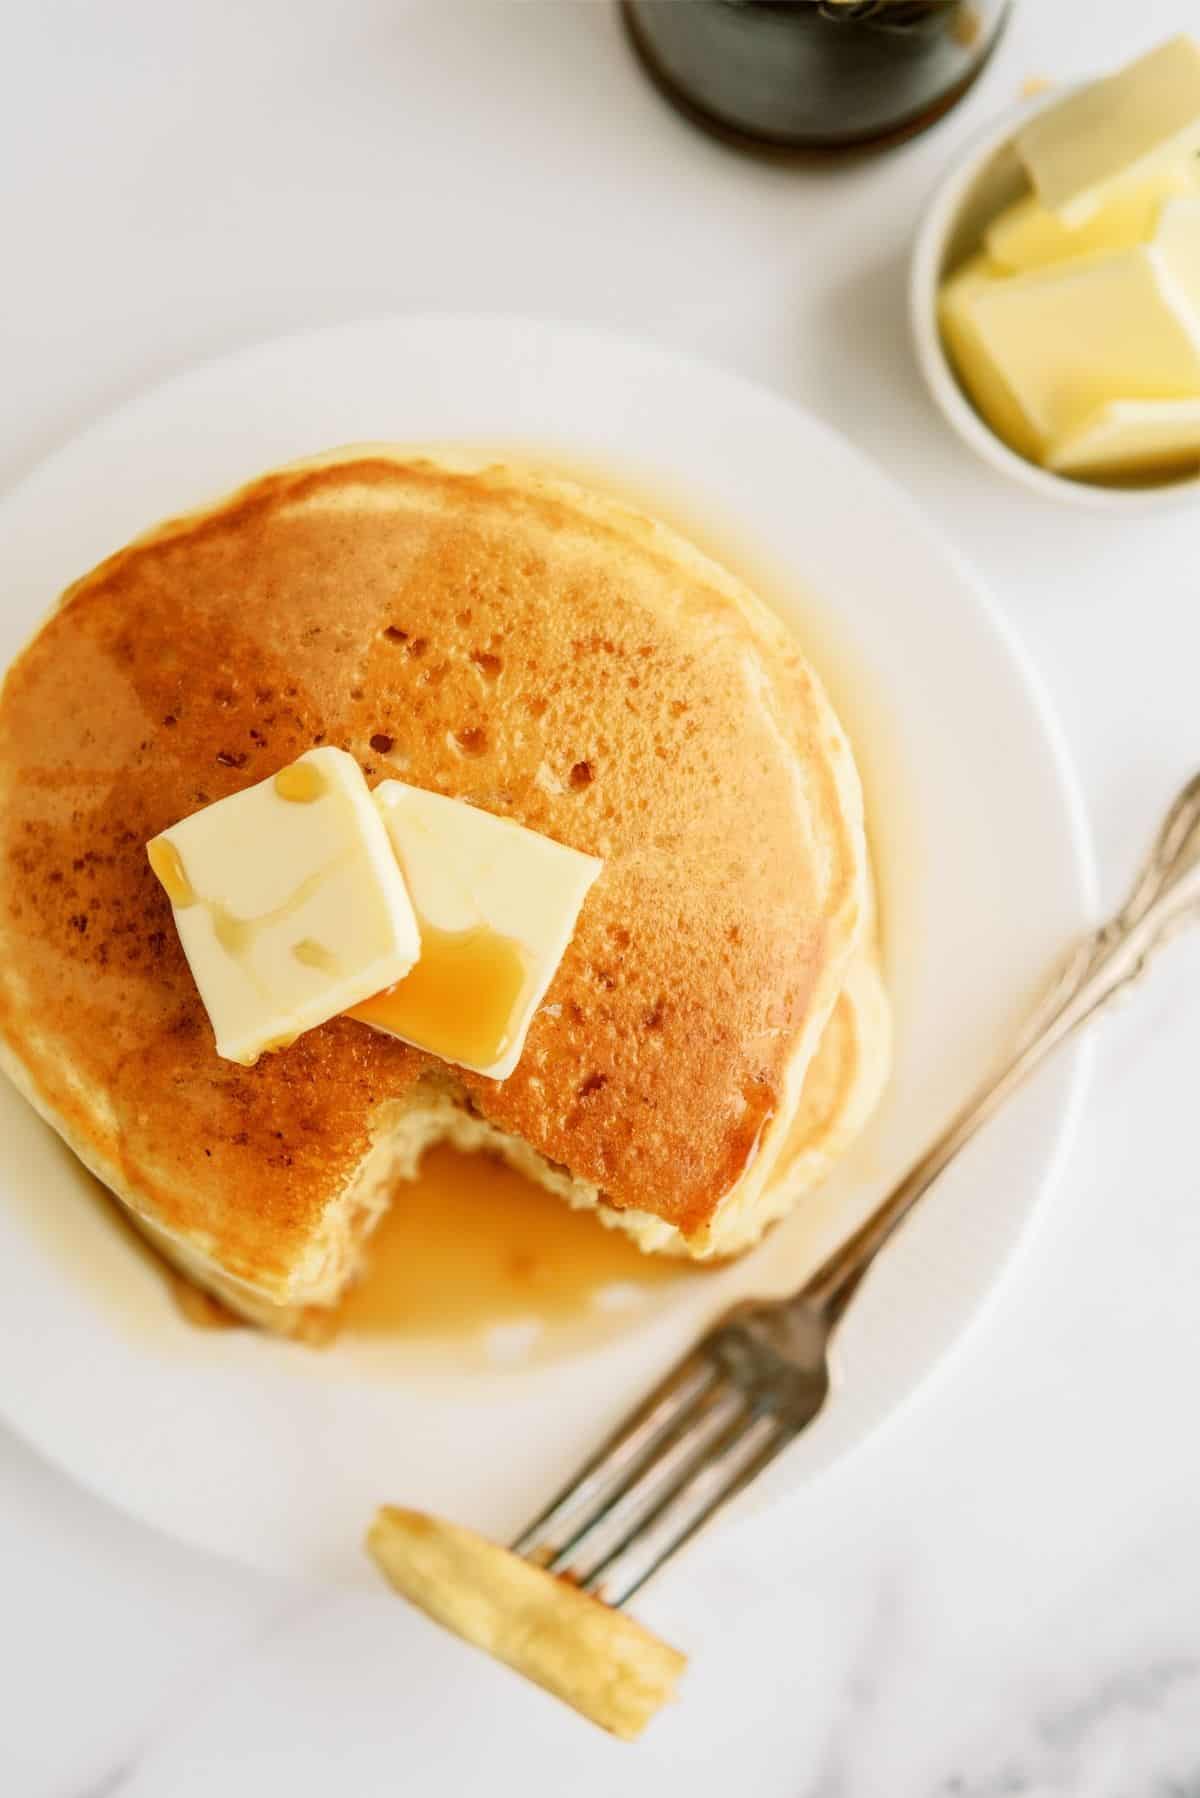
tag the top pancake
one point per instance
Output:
(490, 633)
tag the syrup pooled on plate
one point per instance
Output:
(472, 1248)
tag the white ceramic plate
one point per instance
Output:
(277, 1456)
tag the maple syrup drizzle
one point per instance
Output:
(237, 935)
(167, 864)
(301, 783)
(460, 1000)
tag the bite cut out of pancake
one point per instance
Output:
(513, 640)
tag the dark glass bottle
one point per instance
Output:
(815, 74)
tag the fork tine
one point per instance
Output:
(688, 1508)
(620, 1458)
(699, 1434)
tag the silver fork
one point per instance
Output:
(761, 1374)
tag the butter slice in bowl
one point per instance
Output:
(1074, 328)
(496, 906)
(1126, 438)
(289, 903)
(1061, 341)
(1028, 235)
(1112, 134)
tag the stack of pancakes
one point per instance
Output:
(716, 1033)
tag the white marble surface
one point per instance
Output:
(1001, 1593)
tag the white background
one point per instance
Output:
(1001, 1593)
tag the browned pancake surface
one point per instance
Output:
(475, 633)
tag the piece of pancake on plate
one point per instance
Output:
(716, 1031)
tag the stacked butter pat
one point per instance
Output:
(307, 897)
(1076, 328)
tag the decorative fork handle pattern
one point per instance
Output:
(1165, 898)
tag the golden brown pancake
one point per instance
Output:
(514, 641)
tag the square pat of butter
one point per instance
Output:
(1112, 133)
(1060, 341)
(496, 906)
(1028, 235)
(1128, 439)
(288, 901)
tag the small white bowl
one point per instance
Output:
(988, 178)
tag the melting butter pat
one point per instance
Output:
(496, 907)
(1040, 352)
(1113, 133)
(288, 901)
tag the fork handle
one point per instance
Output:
(1164, 899)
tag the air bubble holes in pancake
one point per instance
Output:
(488, 665)
(472, 741)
